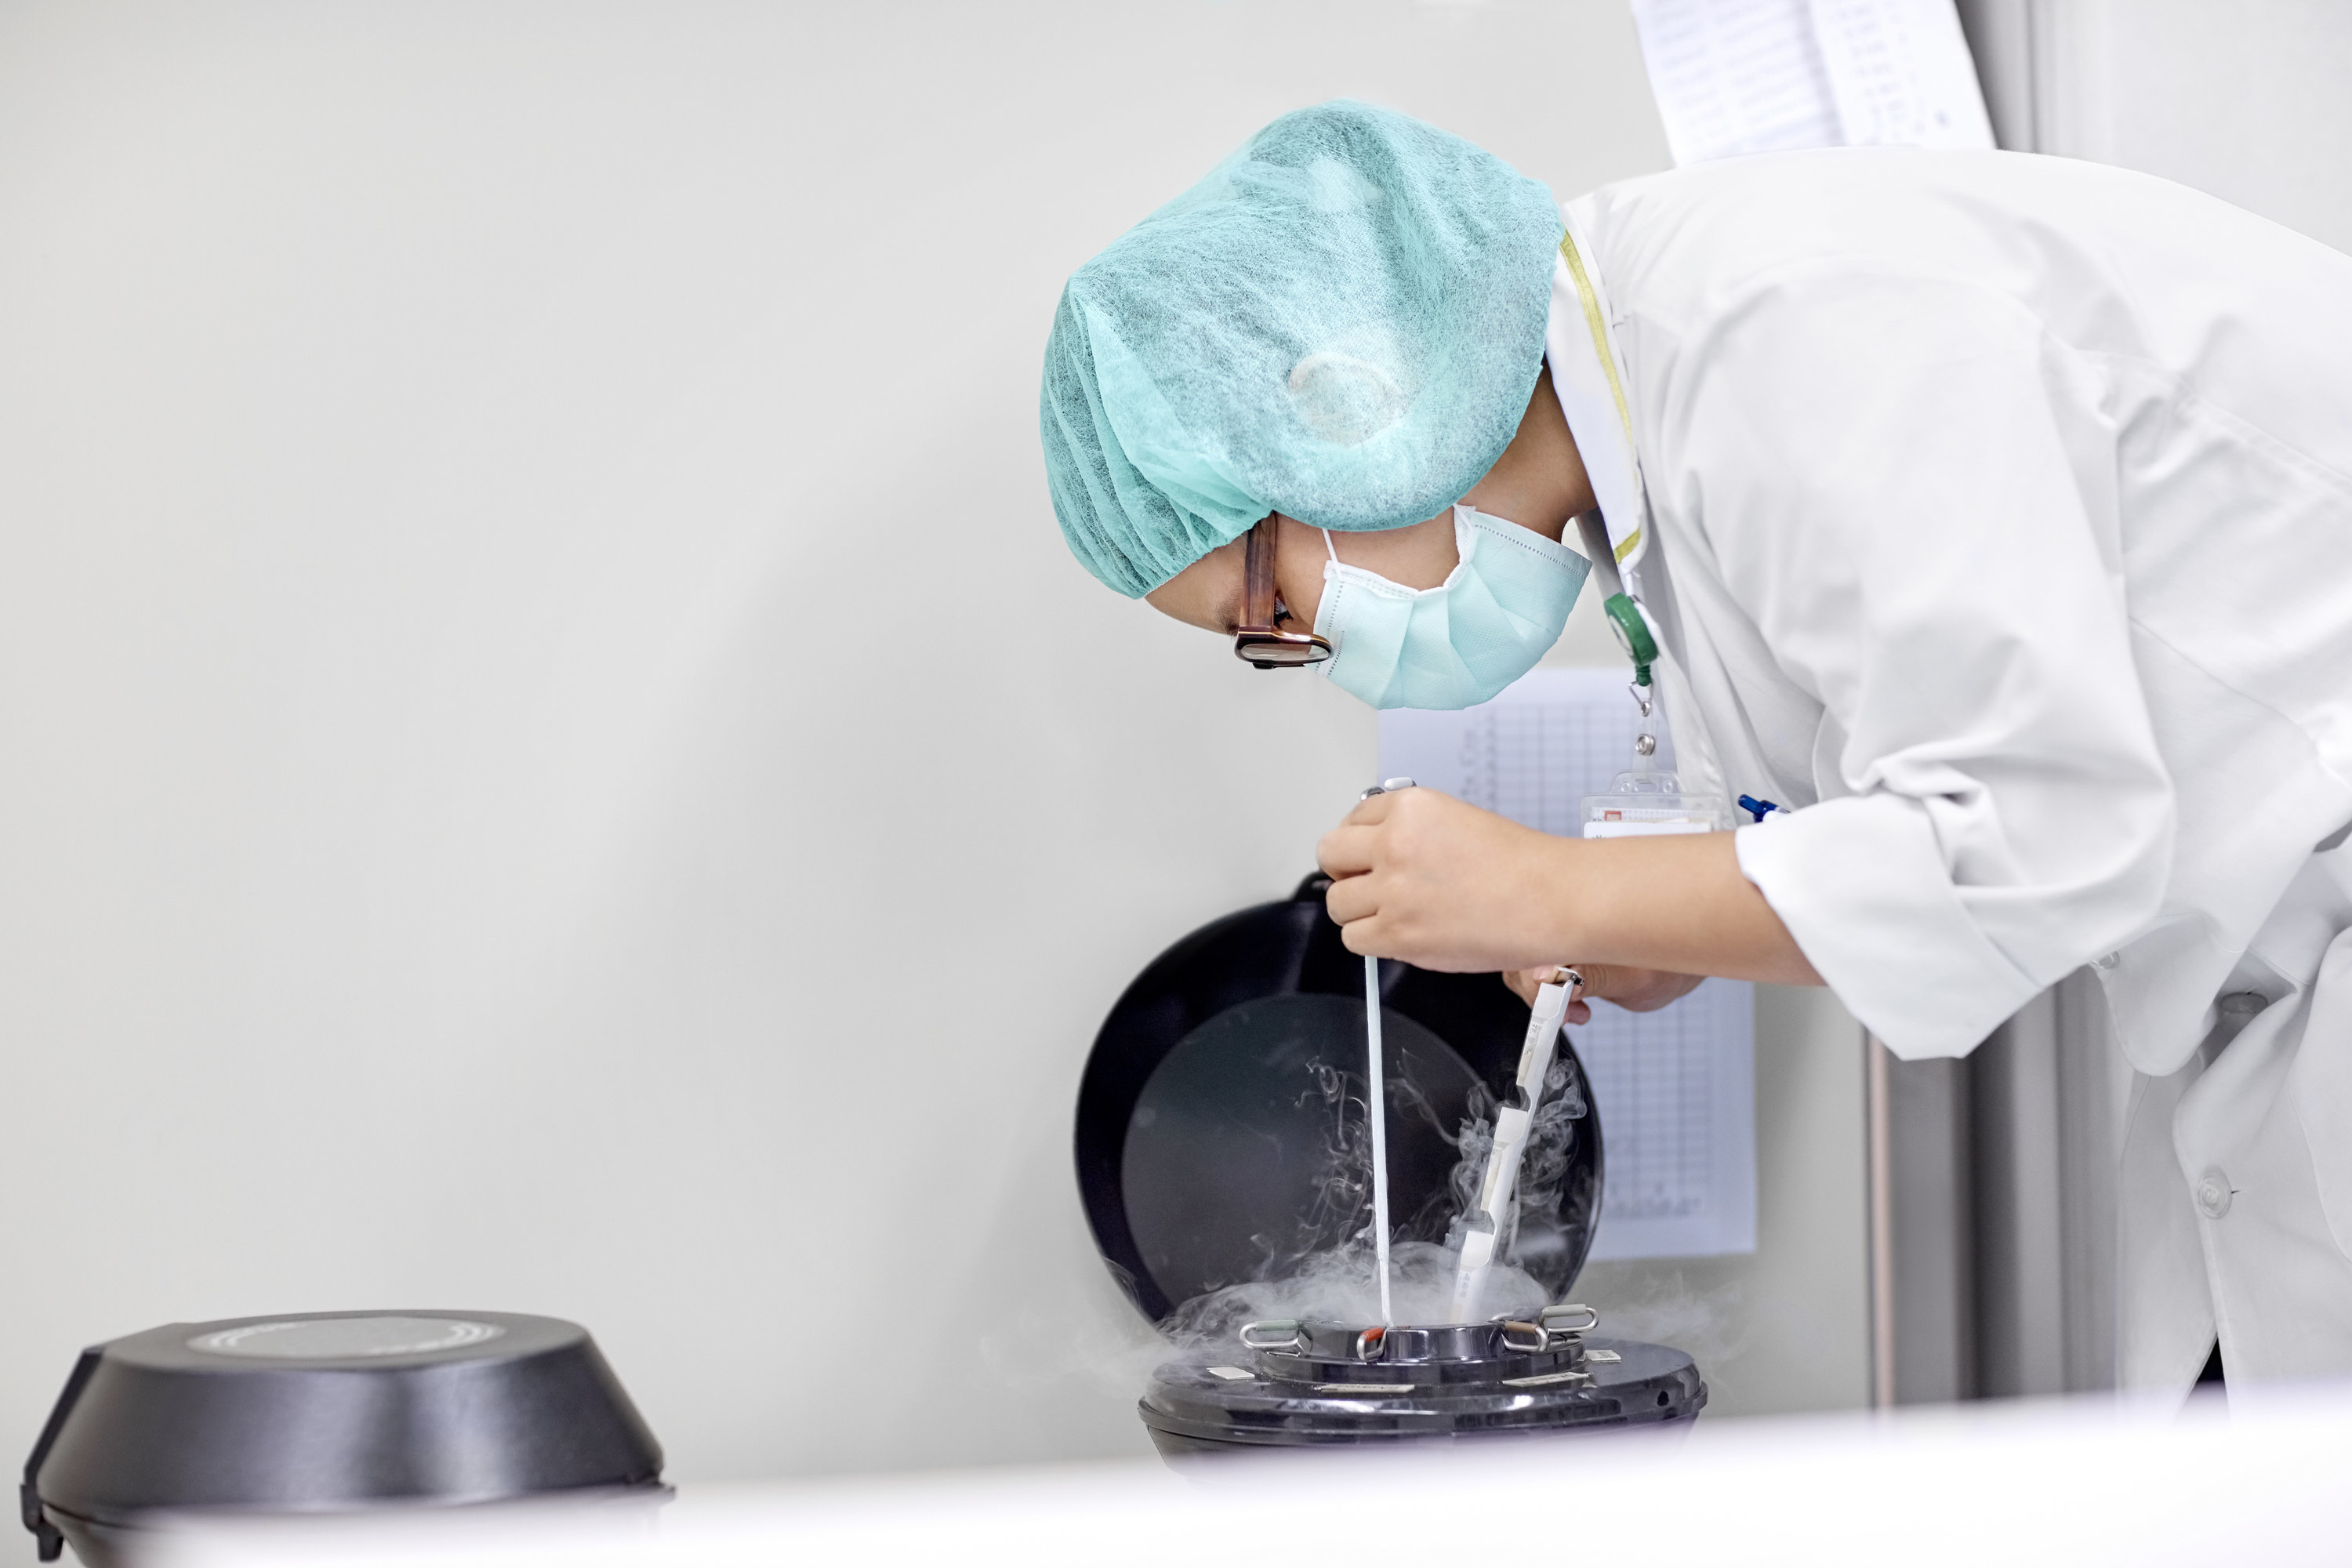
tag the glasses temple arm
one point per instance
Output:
(1258, 574)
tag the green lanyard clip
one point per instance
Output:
(1632, 633)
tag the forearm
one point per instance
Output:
(1676, 903)
(1420, 876)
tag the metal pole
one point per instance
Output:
(1878, 1118)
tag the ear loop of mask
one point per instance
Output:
(1333, 551)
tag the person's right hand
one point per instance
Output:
(1635, 990)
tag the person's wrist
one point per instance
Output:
(1556, 914)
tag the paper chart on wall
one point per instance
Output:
(1767, 76)
(1675, 1089)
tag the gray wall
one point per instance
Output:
(2245, 101)
(1787, 1327)
(553, 757)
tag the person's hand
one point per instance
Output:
(1635, 990)
(1420, 876)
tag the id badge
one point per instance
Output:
(1643, 805)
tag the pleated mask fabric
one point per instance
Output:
(1457, 645)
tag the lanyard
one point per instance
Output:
(1626, 621)
(1590, 300)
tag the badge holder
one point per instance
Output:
(1643, 805)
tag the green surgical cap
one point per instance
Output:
(1342, 322)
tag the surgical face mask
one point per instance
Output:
(1461, 642)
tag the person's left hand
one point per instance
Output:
(1635, 990)
(1420, 876)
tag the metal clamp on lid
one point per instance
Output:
(1274, 1334)
(1525, 1336)
(1556, 1318)
(1556, 1325)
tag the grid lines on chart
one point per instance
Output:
(1535, 762)
(1653, 1081)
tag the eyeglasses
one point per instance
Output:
(1257, 639)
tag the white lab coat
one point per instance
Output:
(1999, 520)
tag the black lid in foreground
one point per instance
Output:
(328, 1411)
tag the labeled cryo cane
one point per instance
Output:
(1484, 1228)
(1376, 1101)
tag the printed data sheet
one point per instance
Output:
(1769, 76)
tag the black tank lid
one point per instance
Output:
(327, 1411)
(1203, 1138)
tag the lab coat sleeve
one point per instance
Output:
(1910, 489)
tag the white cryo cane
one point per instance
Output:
(1483, 1231)
(1376, 1112)
(1376, 1096)
(1376, 1099)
